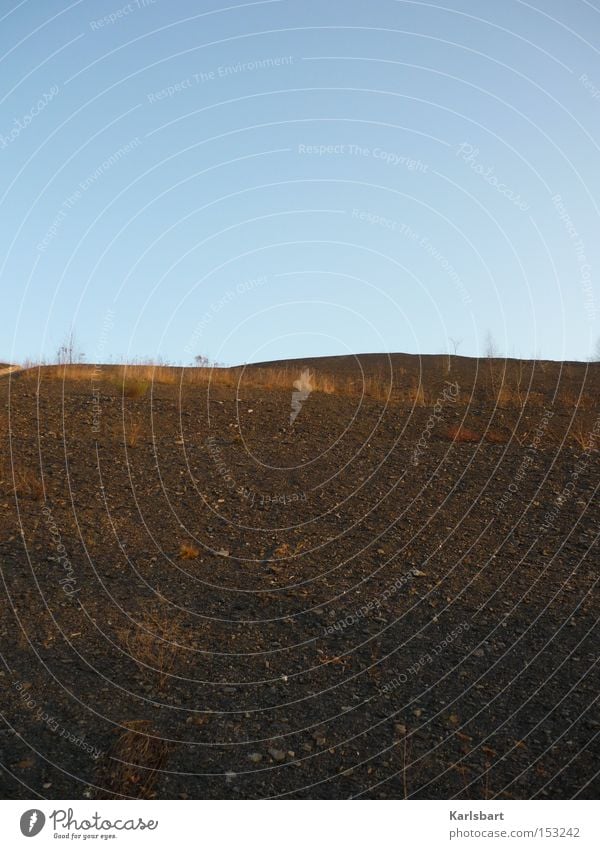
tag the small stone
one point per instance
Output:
(255, 757)
(277, 754)
(400, 728)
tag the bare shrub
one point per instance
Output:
(68, 352)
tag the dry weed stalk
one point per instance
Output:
(519, 382)
(134, 434)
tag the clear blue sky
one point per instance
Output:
(298, 178)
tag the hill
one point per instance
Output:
(246, 583)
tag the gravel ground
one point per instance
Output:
(202, 600)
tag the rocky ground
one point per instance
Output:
(203, 600)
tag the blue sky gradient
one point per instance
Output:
(285, 179)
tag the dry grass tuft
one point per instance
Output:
(134, 388)
(157, 641)
(581, 437)
(135, 761)
(326, 384)
(508, 397)
(188, 551)
(414, 396)
(27, 483)
(576, 401)
(535, 399)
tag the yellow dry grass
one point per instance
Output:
(134, 381)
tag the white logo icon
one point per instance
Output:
(304, 386)
(32, 822)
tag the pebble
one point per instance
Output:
(277, 754)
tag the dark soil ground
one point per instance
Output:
(368, 603)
